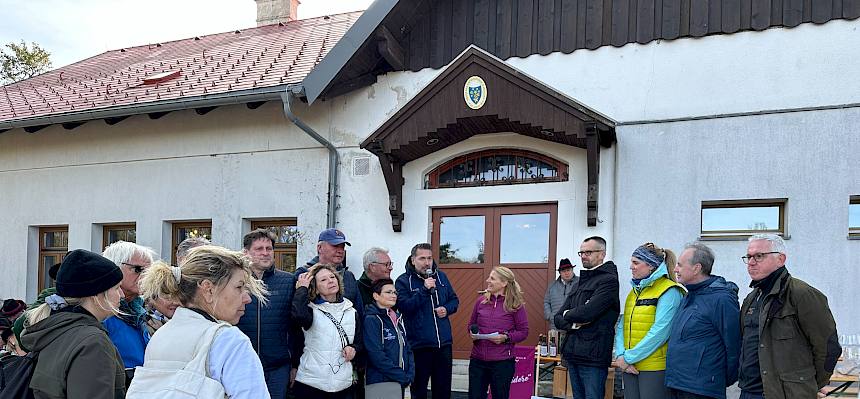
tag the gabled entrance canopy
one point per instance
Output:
(439, 117)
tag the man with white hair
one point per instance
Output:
(789, 344)
(377, 266)
(128, 329)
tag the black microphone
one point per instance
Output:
(431, 273)
(473, 328)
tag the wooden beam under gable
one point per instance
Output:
(390, 49)
(392, 171)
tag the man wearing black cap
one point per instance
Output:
(558, 291)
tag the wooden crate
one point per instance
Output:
(561, 385)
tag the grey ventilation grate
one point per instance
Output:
(361, 166)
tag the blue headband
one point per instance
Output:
(647, 256)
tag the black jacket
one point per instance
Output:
(594, 305)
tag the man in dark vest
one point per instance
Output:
(377, 266)
(268, 325)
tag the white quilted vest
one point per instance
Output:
(322, 365)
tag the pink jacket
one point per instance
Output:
(492, 317)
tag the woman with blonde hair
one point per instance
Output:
(501, 310)
(643, 330)
(76, 357)
(201, 342)
(332, 332)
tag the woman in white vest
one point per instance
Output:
(200, 352)
(332, 335)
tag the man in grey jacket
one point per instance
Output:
(558, 291)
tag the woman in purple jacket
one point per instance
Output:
(500, 310)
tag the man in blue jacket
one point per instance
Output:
(704, 342)
(268, 325)
(426, 299)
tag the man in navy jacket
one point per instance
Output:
(268, 325)
(426, 299)
(704, 343)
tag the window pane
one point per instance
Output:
(741, 219)
(854, 216)
(127, 235)
(287, 234)
(47, 262)
(286, 262)
(55, 239)
(461, 239)
(525, 238)
(194, 231)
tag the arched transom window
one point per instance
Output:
(495, 167)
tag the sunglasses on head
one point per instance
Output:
(138, 269)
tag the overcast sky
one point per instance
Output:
(79, 29)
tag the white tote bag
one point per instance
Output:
(192, 381)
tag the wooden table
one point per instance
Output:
(845, 381)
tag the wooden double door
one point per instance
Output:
(468, 242)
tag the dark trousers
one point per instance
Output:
(676, 394)
(306, 391)
(277, 381)
(496, 375)
(749, 395)
(432, 364)
(587, 382)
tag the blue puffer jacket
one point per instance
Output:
(130, 341)
(268, 326)
(704, 342)
(423, 328)
(389, 357)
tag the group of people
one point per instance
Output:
(682, 333)
(226, 323)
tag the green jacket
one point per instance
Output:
(798, 345)
(77, 360)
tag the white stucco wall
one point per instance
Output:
(227, 166)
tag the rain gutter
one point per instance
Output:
(288, 97)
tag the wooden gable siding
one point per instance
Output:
(441, 29)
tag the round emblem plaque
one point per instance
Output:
(475, 92)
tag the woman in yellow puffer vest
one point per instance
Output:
(642, 331)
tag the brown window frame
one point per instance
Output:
(107, 228)
(432, 178)
(780, 203)
(44, 251)
(280, 248)
(854, 231)
(175, 226)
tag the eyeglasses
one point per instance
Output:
(757, 257)
(588, 253)
(388, 265)
(138, 269)
(336, 367)
(389, 292)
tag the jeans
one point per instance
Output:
(277, 381)
(676, 394)
(587, 382)
(496, 375)
(435, 364)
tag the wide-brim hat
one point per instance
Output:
(564, 264)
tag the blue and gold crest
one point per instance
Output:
(475, 92)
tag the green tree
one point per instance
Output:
(19, 61)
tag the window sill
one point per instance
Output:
(741, 237)
(854, 237)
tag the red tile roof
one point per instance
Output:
(260, 57)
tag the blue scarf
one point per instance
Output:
(132, 313)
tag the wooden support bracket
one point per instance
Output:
(392, 171)
(390, 49)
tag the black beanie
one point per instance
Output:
(84, 273)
